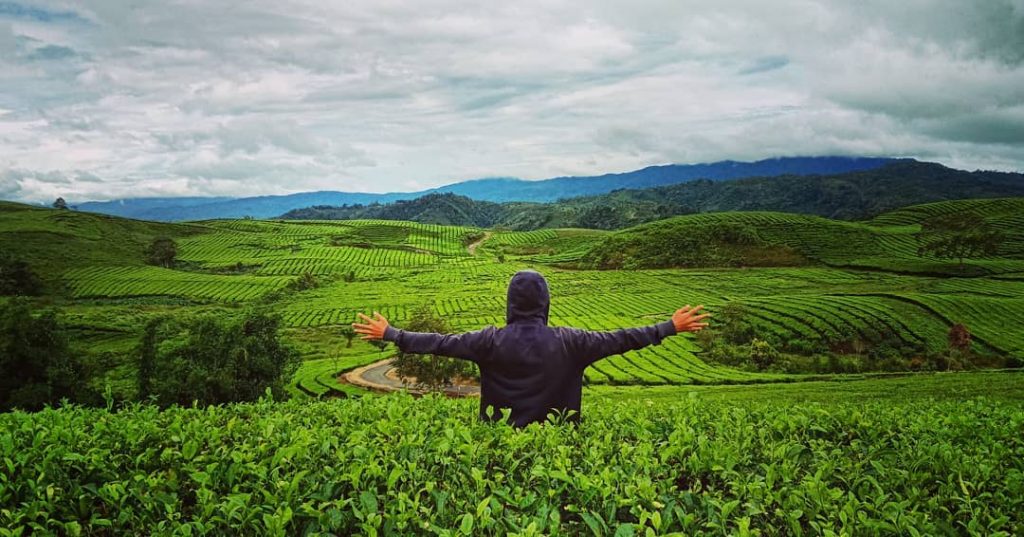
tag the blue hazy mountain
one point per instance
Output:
(494, 189)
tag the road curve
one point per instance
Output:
(375, 377)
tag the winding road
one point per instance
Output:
(471, 248)
(380, 376)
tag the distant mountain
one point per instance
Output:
(139, 207)
(496, 190)
(178, 209)
(570, 187)
(848, 196)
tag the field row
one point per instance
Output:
(115, 282)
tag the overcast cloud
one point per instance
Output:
(103, 100)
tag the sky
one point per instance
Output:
(111, 99)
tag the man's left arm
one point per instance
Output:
(589, 346)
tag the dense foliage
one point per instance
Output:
(17, 277)
(36, 366)
(959, 236)
(213, 359)
(162, 252)
(398, 465)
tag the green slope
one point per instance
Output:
(54, 241)
(782, 239)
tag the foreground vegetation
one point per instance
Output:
(930, 461)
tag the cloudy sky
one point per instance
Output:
(110, 99)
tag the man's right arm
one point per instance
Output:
(588, 346)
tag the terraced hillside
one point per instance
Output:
(765, 238)
(854, 284)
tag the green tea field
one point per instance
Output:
(859, 423)
(938, 455)
(854, 284)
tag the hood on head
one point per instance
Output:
(528, 297)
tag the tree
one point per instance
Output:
(733, 324)
(17, 278)
(211, 359)
(36, 367)
(431, 371)
(958, 236)
(147, 358)
(762, 353)
(380, 344)
(348, 333)
(959, 338)
(59, 203)
(162, 252)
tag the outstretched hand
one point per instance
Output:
(373, 329)
(687, 319)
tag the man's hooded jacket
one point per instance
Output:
(528, 367)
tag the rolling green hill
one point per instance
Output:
(54, 241)
(778, 239)
(805, 281)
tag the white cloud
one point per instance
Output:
(190, 98)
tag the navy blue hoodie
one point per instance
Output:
(527, 366)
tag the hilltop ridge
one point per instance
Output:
(489, 189)
(848, 196)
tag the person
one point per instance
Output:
(528, 367)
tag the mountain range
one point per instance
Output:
(489, 190)
(852, 195)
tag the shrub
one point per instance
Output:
(162, 252)
(732, 321)
(959, 338)
(762, 353)
(211, 359)
(17, 277)
(36, 367)
(304, 282)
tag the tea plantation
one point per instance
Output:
(847, 431)
(800, 459)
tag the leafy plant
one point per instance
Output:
(17, 277)
(211, 359)
(162, 252)
(36, 366)
(766, 465)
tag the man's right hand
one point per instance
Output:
(687, 319)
